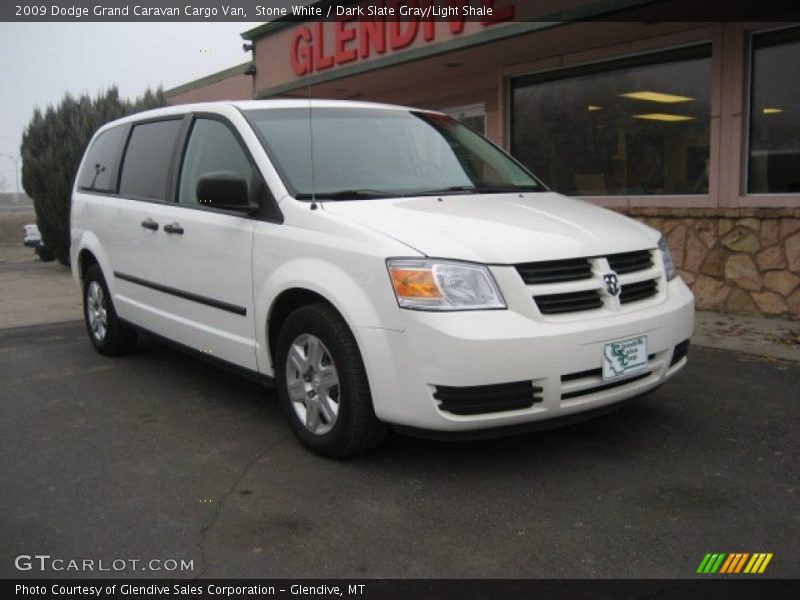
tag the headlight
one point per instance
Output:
(669, 264)
(423, 284)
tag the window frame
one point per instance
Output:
(643, 59)
(116, 163)
(469, 111)
(133, 125)
(705, 45)
(268, 210)
(747, 110)
(189, 124)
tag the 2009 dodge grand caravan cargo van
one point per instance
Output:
(411, 274)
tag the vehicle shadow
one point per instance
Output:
(626, 430)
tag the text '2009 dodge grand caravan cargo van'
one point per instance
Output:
(411, 274)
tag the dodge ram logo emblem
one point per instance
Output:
(612, 283)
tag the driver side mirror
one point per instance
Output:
(225, 190)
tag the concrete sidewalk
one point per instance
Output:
(762, 336)
(33, 293)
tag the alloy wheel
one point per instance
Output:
(313, 384)
(96, 310)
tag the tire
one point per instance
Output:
(108, 334)
(318, 358)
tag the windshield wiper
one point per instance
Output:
(453, 189)
(478, 189)
(498, 189)
(348, 195)
(367, 194)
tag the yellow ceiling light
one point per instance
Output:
(594, 107)
(772, 111)
(657, 97)
(664, 117)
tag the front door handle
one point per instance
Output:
(174, 228)
(150, 224)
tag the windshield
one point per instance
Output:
(363, 153)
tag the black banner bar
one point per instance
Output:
(254, 11)
(705, 587)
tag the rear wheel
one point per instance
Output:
(108, 333)
(322, 384)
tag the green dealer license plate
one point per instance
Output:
(624, 357)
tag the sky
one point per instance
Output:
(40, 62)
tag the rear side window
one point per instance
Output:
(145, 171)
(99, 172)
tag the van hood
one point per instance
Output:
(499, 228)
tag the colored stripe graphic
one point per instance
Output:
(703, 563)
(765, 563)
(711, 563)
(727, 564)
(716, 565)
(758, 563)
(741, 562)
(734, 563)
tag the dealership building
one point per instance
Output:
(691, 127)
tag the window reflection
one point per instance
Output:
(631, 127)
(774, 153)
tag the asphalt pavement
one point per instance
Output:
(158, 456)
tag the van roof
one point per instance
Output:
(251, 105)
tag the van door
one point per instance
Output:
(132, 234)
(208, 253)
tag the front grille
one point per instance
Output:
(641, 290)
(591, 372)
(680, 351)
(553, 304)
(482, 399)
(630, 262)
(603, 387)
(555, 271)
(552, 298)
(582, 375)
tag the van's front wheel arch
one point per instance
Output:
(322, 383)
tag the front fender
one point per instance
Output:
(362, 294)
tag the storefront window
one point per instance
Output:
(636, 126)
(473, 116)
(774, 152)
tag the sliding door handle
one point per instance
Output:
(174, 228)
(150, 224)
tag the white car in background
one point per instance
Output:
(33, 239)
(378, 265)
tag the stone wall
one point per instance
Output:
(744, 261)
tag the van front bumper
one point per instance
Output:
(558, 360)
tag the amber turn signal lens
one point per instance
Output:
(414, 283)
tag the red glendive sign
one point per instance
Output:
(366, 33)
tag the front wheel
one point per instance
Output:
(108, 333)
(322, 384)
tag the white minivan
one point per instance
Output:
(378, 265)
